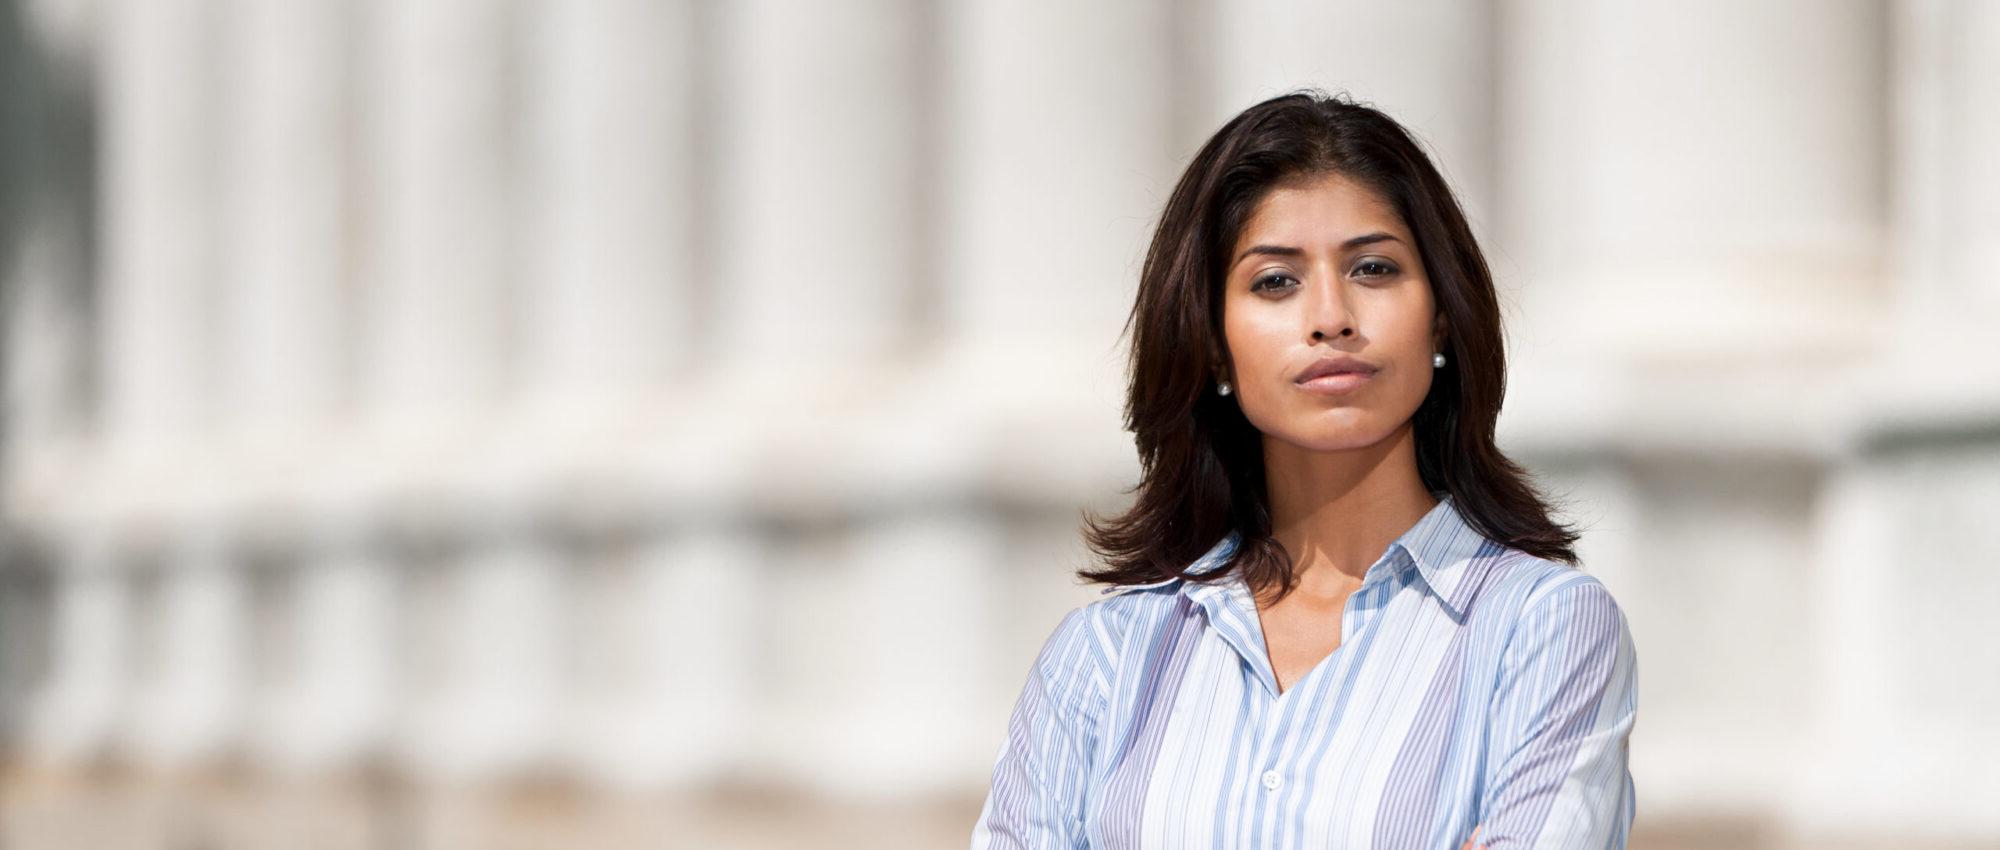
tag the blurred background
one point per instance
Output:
(641, 423)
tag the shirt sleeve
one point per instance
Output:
(1038, 784)
(1560, 727)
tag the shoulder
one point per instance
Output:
(1070, 673)
(1078, 665)
(1521, 583)
(1545, 602)
(1085, 641)
(1121, 612)
(1090, 638)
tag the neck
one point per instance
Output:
(1336, 512)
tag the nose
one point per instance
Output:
(1327, 314)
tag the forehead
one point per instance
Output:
(1325, 208)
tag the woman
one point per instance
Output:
(1338, 616)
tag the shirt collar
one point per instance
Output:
(1442, 545)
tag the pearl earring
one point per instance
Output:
(1437, 360)
(1222, 388)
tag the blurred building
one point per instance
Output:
(667, 422)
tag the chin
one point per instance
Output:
(1334, 439)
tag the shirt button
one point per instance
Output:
(1272, 780)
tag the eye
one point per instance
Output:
(1375, 268)
(1269, 281)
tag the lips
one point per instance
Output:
(1336, 365)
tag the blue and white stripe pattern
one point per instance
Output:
(1474, 685)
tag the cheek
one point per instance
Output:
(1253, 342)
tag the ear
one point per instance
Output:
(1440, 331)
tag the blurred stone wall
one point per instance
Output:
(484, 423)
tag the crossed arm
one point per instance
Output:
(1560, 726)
(1558, 730)
(1036, 802)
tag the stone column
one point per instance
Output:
(1946, 81)
(668, 633)
(1699, 184)
(192, 705)
(1946, 260)
(440, 148)
(816, 194)
(160, 237)
(76, 715)
(336, 704)
(609, 289)
(1055, 169)
(493, 701)
(286, 259)
(1855, 719)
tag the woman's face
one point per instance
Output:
(1326, 268)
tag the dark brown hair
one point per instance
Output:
(1201, 461)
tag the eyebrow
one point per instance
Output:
(1289, 251)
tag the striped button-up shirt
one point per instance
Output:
(1474, 685)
